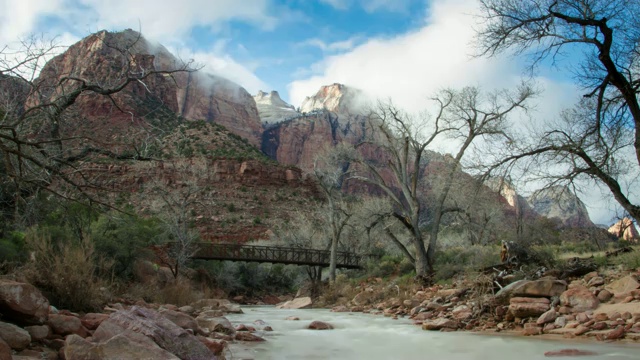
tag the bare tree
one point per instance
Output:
(472, 116)
(402, 141)
(463, 116)
(175, 207)
(39, 141)
(331, 170)
(595, 140)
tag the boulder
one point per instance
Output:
(120, 346)
(579, 299)
(91, 321)
(439, 324)
(5, 350)
(153, 325)
(38, 332)
(23, 303)
(247, 336)
(66, 324)
(528, 307)
(461, 312)
(604, 296)
(623, 286)
(216, 324)
(216, 346)
(297, 303)
(181, 319)
(527, 288)
(547, 317)
(320, 325)
(17, 338)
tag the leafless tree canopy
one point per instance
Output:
(597, 139)
(464, 117)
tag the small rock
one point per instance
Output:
(247, 336)
(596, 281)
(92, 320)
(297, 303)
(615, 334)
(320, 325)
(292, 318)
(604, 296)
(547, 317)
(438, 324)
(569, 352)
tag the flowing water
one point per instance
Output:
(364, 336)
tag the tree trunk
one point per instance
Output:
(422, 265)
(333, 260)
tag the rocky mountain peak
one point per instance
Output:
(272, 108)
(561, 203)
(336, 98)
(107, 58)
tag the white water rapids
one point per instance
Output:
(373, 337)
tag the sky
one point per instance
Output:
(405, 50)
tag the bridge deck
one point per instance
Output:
(276, 255)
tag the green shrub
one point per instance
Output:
(12, 248)
(630, 260)
(124, 239)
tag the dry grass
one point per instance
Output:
(66, 272)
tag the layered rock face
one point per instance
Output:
(336, 98)
(272, 109)
(328, 118)
(625, 229)
(560, 203)
(106, 59)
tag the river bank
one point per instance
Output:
(366, 336)
(598, 306)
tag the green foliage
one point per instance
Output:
(252, 278)
(630, 260)
(386, 266)
(452, 261)
(123, 239)
(12, 248)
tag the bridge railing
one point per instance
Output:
(276, 254)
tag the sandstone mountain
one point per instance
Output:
(625, 229)
(336, 98)
(104, 58)
(559, 202)
(273, 109)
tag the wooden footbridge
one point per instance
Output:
(277, 255)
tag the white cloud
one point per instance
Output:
(412, 66)
(226, 67)
(167, 19)
(337, 46)
(18, 18)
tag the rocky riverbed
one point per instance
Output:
(596, 306)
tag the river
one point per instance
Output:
(372, 337)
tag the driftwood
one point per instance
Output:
(617, 252)
(576, 267)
